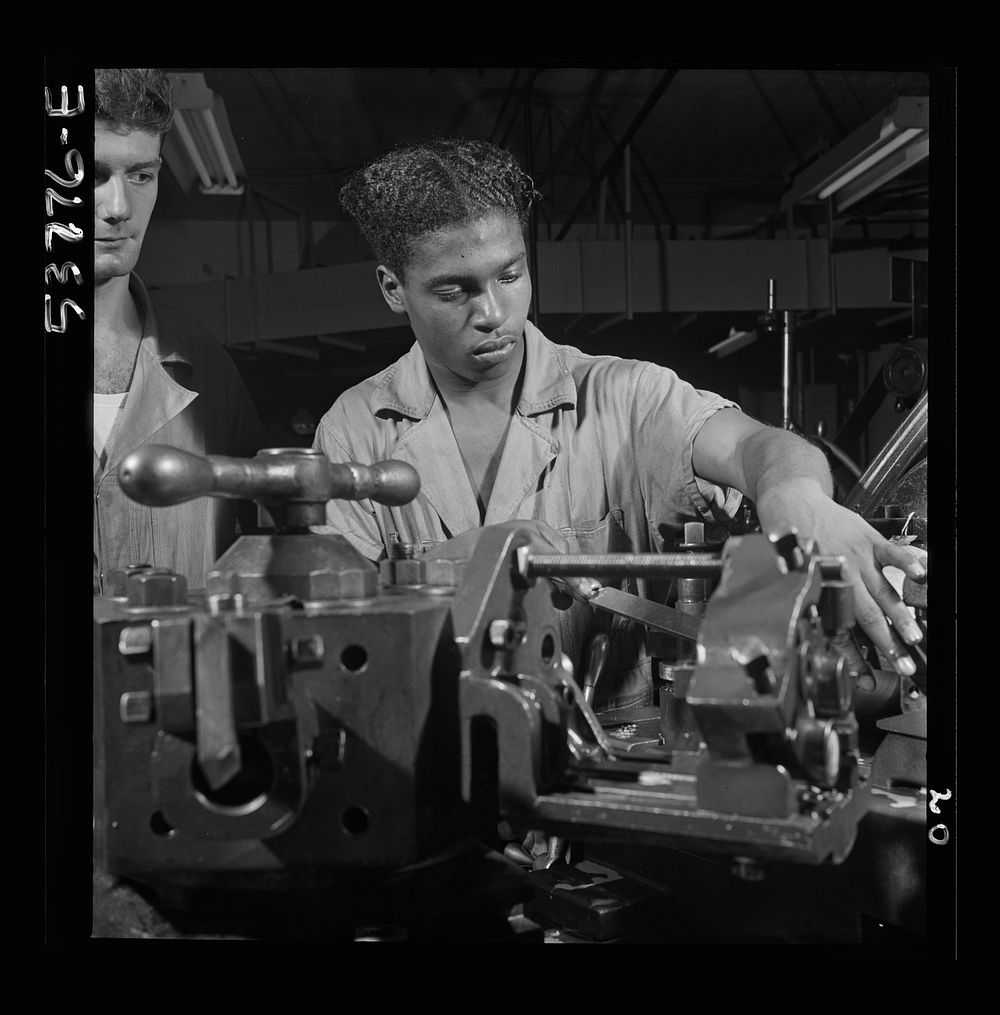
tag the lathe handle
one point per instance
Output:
(158, 476)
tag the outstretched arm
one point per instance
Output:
(789, 482)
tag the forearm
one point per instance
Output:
(777, 464)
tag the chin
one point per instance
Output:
(104, 271)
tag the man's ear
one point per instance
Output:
(392, 289)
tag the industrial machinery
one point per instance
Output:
(316, 742)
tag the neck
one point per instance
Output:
(115, 313)
(500, 391)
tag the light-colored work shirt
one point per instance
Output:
(186, 393)
(599, 448)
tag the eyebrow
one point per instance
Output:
(149, 164)
(455, 278)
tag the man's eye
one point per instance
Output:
(141, 178)
(512, 276)
(450, 296)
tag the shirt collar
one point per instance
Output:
(406, 387)
(166, 350)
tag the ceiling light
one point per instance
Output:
(201, 148)
(890, 143)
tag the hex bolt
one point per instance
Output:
(136, 706)
(135, 641)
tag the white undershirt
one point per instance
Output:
(106, 410)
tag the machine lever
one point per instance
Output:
(157, 475)
(645, 611)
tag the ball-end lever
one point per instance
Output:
(159, 476)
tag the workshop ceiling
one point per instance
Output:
(713, 150)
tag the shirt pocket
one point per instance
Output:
(606, 535)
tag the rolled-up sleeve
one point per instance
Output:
(668, 412)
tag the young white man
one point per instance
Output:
(159, 378)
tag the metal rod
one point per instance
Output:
(620, 565)
(892, 461)
(786, 371)
(800, 389)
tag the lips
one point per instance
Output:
(493, 345)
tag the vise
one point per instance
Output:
(309, 715)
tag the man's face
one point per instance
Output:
(127, 164)
(467, 294)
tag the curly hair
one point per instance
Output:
(136, 98)
(416, 189)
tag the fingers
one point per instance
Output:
(894, 608)
(909, 559)
(877, 606)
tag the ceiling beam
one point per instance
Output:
(616, 154)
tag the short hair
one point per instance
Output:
(135, 98)
(420, 188)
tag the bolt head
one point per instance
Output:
(135, 641)
(307, 650)
(136, 706)
(694, 532)
(498, 633)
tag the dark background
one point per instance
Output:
(713, 150)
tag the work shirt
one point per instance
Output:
(186, 393)
(599, 448)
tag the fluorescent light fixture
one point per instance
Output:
(890, 143)
(735, 340)
(201, 148)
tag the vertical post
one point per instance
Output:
(628, 231)
(800, 387)
(786, 371)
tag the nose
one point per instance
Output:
(490, 311)
(111, 201)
